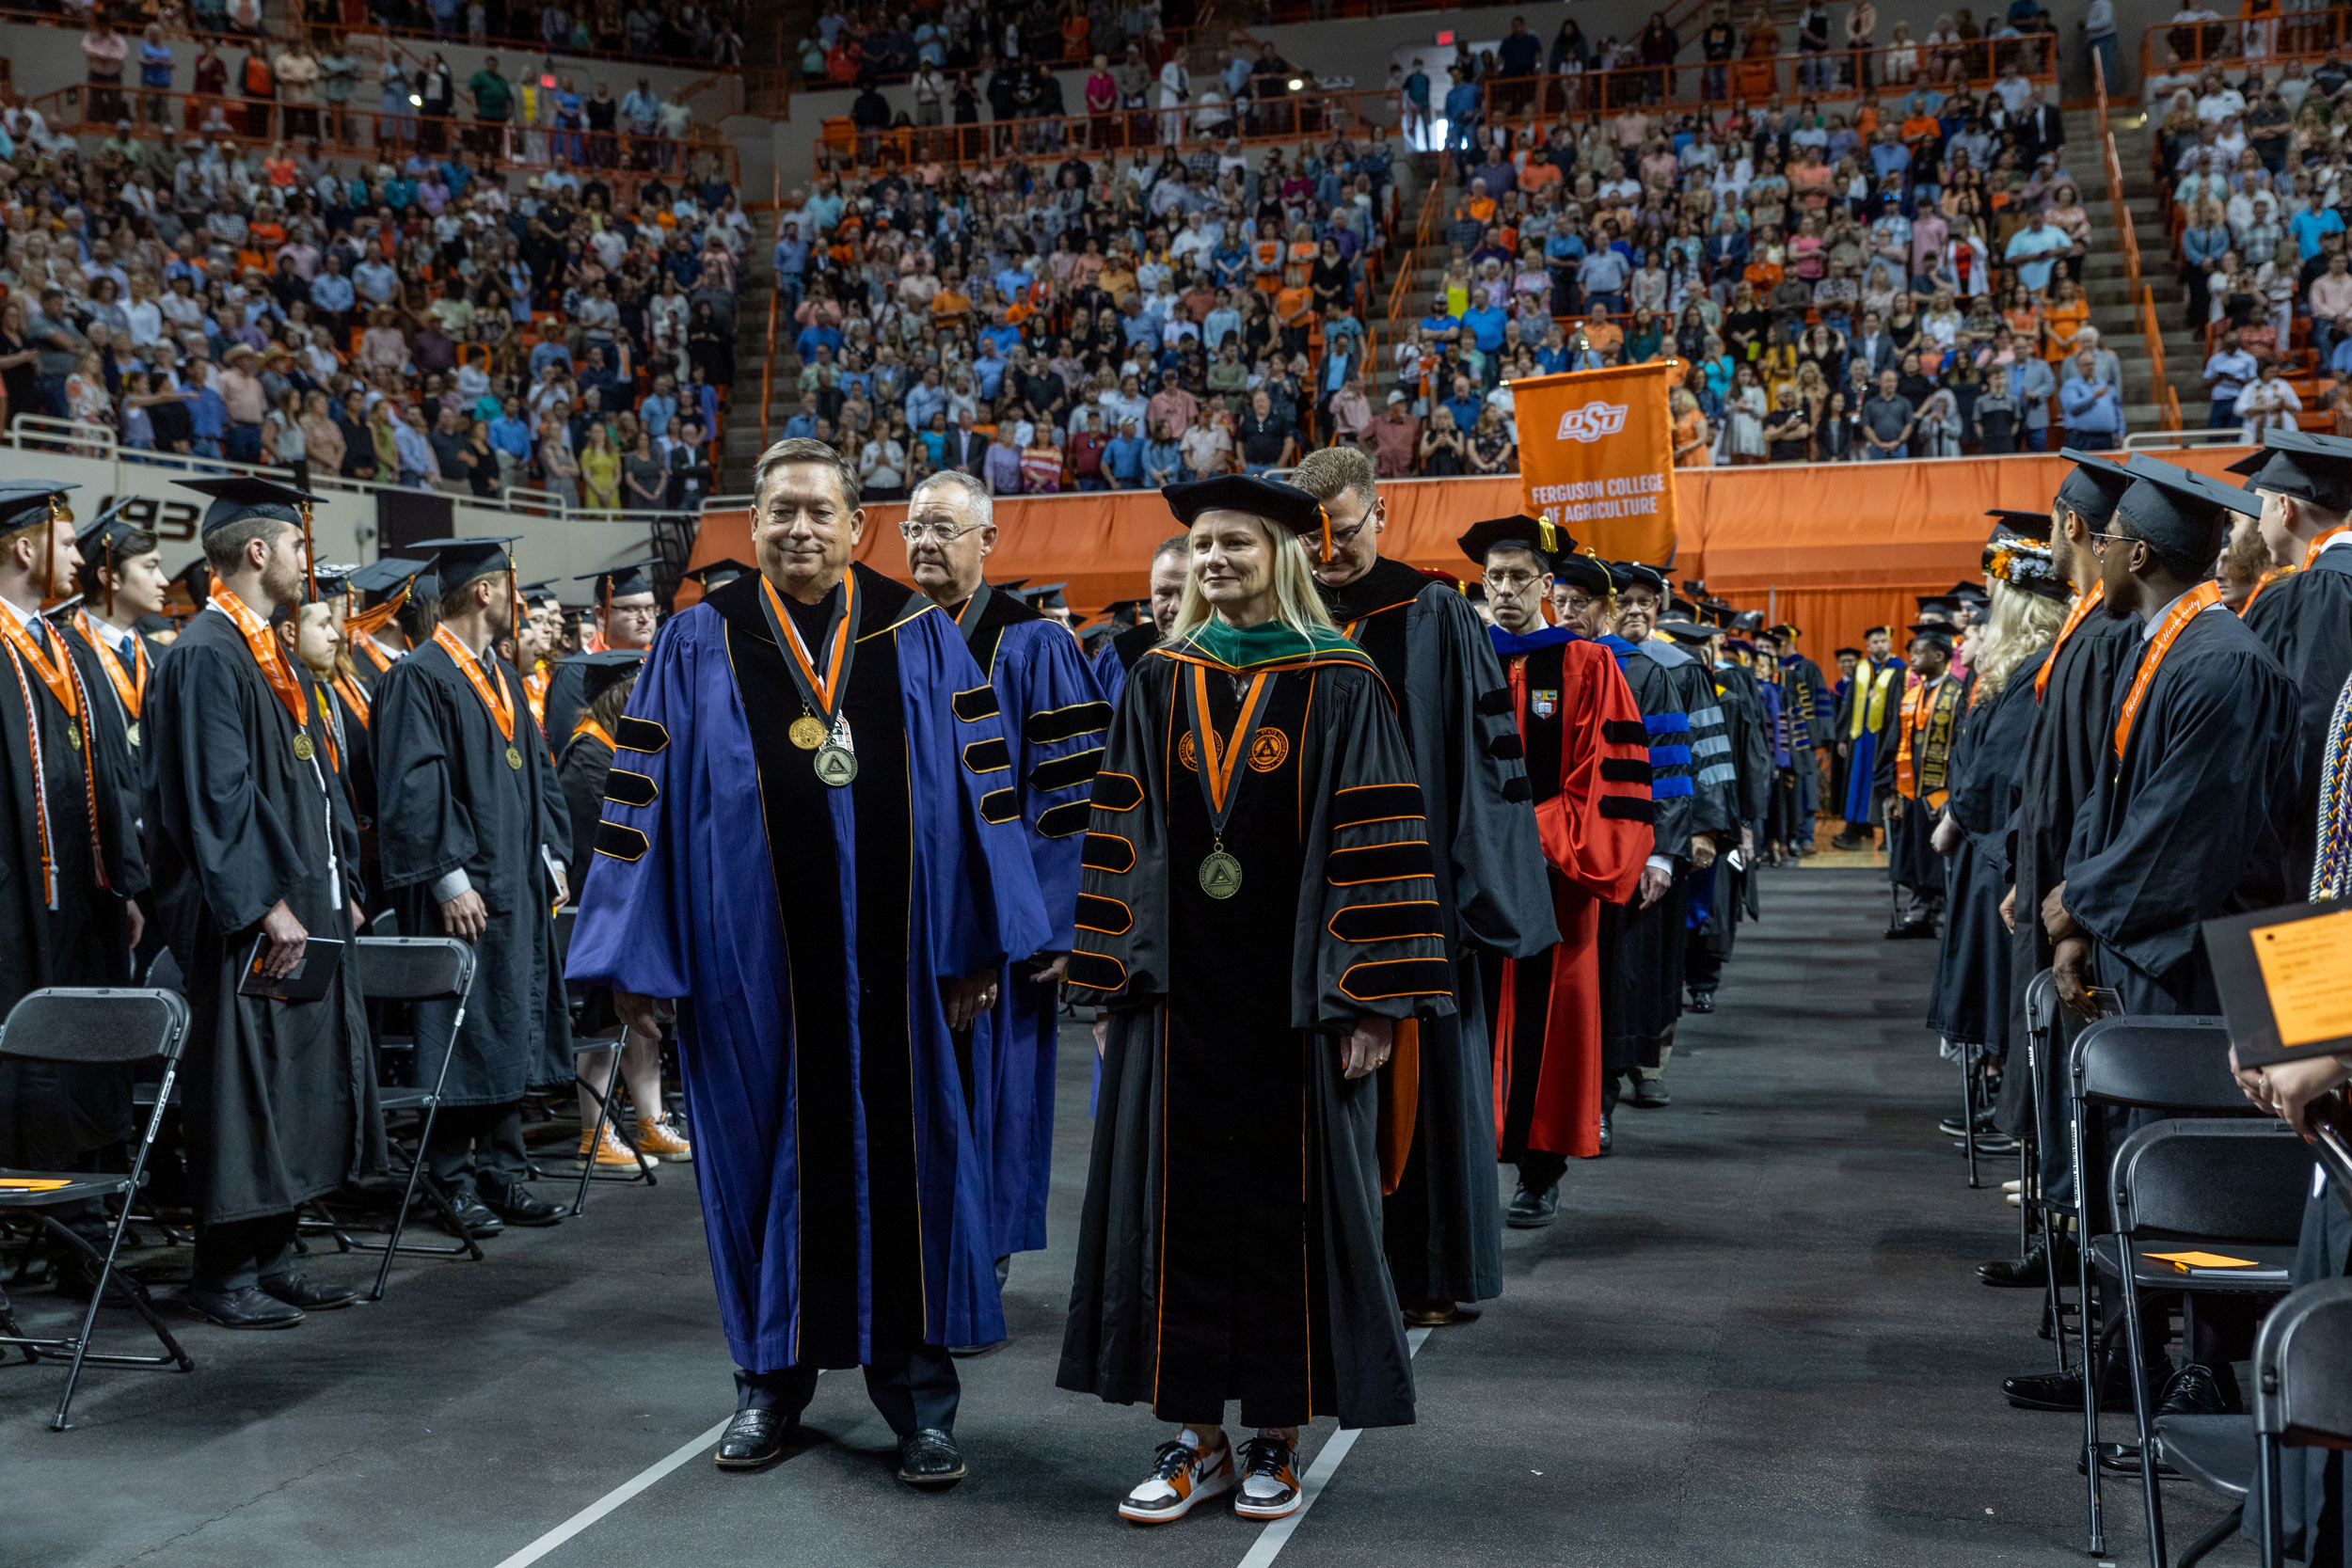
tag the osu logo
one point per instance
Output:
(1268, 749)
(1592, 421)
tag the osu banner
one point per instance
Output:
(1596, 457)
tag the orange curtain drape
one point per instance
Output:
(1829, 547)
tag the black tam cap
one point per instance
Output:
(1544, 540)
(1285, 505)
(2181, 512)
(1845, 653)
(2316, 468)
(2095, 485)
(25, 503)
(1588, 572)
(718, 574)
(2025, 525)
(1934, 632)
(459, 562)
(244, 496)
(601, 671)
(1632, 574)
(619, 582)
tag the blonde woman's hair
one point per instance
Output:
(2022, 625)
(1295, 604)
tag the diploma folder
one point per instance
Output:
(308, 983)
(2285, 978)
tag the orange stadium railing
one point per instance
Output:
(2233, 45)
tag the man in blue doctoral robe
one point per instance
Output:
(799, 849)
(1054, 721)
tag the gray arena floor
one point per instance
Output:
(1755, 1335)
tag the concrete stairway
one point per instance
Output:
(2112, 310)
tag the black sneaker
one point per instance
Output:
(1532, 1210)
(1182, 1475)
(1702, 1001)
(1269, 1479)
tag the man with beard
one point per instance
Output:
(625, 616)
(2302, 609)
(474, 833)
(255, 848)
(1054, 721)
(1438, 1219)
(1169, 559)
(1589, 771)
(69, 862)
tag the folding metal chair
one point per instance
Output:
(92, 1027)
(2170, 1065)
(2228, 1188)
(2302, 1390)
(415, 969)
(2033, 1203)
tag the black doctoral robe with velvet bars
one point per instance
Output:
(1257, 1272)
(1443, 1223)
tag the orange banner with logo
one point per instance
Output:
(1596, 457)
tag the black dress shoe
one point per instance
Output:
(1532, 1210)
(754, 1438)
(2030, 1273)
(1607, 1133)
(929, 1458)
(1911, 930)
(517, 1205)
(1702, 1001)
(470, 1216)
(246, 1308)
(1852, 841)
(2064, 1390)
(2198, 1390)
(1651, 1094)
(297, 1290)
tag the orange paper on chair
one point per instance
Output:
(2187, 1261)
(30, 1184)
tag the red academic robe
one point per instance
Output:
(1588, 764)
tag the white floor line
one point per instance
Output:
(613, 1500)
(1277, 1535)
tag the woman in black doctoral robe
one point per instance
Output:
(1253, 972)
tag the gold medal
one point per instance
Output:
(1220, 875)
(515, 758)
(806, 733)
(302, 747)
(836, 766)
(131, 732)
(73, 736)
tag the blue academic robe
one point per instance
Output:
(843, 1191)
(1055, 722)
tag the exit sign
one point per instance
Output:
(1446, 37)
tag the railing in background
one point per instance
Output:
(1170, 42)
(621, 159)
(775, 296)
(2231, 45)
(1433, 203)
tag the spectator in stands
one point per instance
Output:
(2093, 407)
(2228, 371)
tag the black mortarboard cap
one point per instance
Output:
(1936, 604)
(2025, 564)
(243, 495)
(25, 502)
(2031, 525)
(2181, 512)
(1046, 596)
(1931, 631)
(2095, 485)
(1784, 629)
(2316, 468)
(1749, 621)
(618, 582)
(459, 562)
(1545, 541)
(386, 574)
(1124, 607)
(718, 574)
(105, 532)
(601, 671)
(540, 592)
(1693, 632)
(1632, 574)
(331, 580)
(1588, 572)
(1284, 505)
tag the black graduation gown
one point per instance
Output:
(52, 1113)
(1442, 1225)
(279, 1098)
(2191, 824)
(2066, 750)
(1970, 1001)
(1722, 894)
(1911, 857)
(2305, 619)
(446, 800)
(1260, 1274)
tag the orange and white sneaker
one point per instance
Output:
(1269, 1479)
(663, 1140)
(1182, 1475)
(610, 1153)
